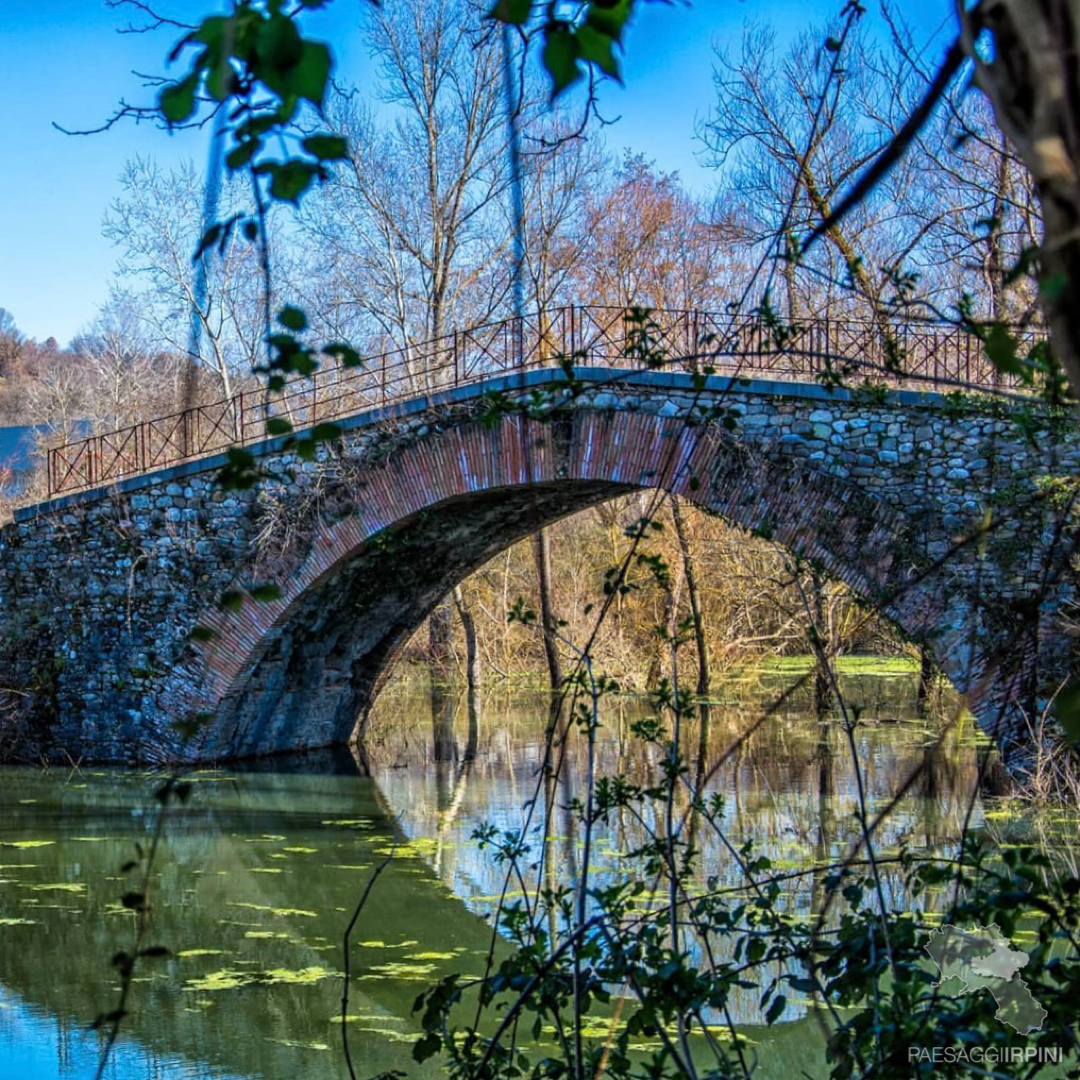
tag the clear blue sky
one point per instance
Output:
(64, 61)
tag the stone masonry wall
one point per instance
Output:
(100, 591)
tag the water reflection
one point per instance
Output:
(789, 787)
(259, 873)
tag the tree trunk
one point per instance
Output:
(690, 574)
(926, 677)
(472, 668)
(439, 641)
(1029, 76)
(548, 621)
(822, 683)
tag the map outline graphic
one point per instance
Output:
(982, 959)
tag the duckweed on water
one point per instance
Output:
(370, 1018)
(284, 912)
(26, 844)
(231, 979)
(400, 970)
(386, 1033)
(18, 922)
(188, 953)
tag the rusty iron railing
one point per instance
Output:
(931, 356)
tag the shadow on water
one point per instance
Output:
(259, 873)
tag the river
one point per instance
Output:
(259, 872)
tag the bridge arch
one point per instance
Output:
(303, 670)
(99, 589)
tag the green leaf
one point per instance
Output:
(231, 600)
(598, 48)
(345, 355)
(214, 30)
(290, 180)
(311, 74)
(279, 47)
(202, 633)
(775, 1009)
(1067, 711)
(561, 58)
(514, 12)
(1002, 350)
(209, 239)
(326, 147)
(326, 432)
(1051, 287)
(265, 593)
(278, 425)
(426, 1046)
(177, 100)
(189, 726)
(292, 318)
(240, 155)
(608, 17)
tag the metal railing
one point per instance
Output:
(930, 355)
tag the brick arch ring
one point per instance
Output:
(302, 670)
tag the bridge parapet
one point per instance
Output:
(896, 354)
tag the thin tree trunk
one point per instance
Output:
(548, 621)
(822, 683)
(926, 677)
(472, 666)
(690, 574)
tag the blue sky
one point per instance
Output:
(65, 62)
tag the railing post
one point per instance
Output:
(457, 367)
(241, 430)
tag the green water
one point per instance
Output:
(260, 871)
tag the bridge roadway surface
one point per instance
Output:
(102, 588)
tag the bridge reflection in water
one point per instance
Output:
(258, 875)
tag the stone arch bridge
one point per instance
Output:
(948, 514)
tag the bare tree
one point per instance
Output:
(972, 211)
(12, 340)
(648, 242)
(126, 378)
(791, 135)
(409, 236)
(157, 223)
